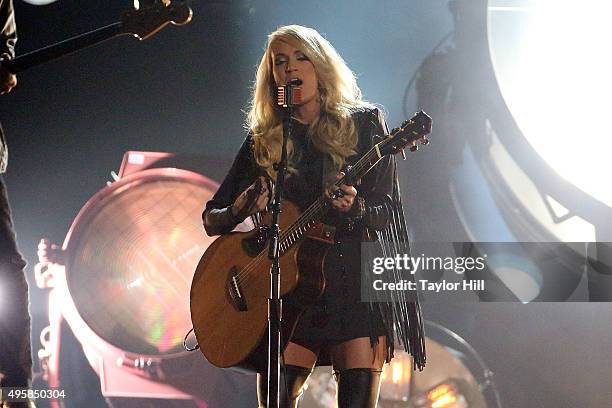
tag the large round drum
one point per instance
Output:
(131, 254)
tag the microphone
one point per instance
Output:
(289, 95)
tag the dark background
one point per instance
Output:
(69, 122)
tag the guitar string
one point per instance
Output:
(243, 276)
(302, 222)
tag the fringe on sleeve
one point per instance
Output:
(403, 311)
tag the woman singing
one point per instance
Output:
(332, 127)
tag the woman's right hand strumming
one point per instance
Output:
(252, 200)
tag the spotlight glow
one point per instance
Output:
(554, 68)
(40, 2)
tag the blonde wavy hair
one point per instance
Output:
(334, 131)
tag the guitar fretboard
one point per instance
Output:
(317, 209)
(410, 131)
(60, 49)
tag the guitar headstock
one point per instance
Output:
(412, 131)
(146, 21)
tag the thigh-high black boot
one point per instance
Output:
(358, 387)
(292, 380)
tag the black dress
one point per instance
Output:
(338, 315)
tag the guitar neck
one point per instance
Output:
(410, 131)
(317, 209)
(66, 47)
(140, 23)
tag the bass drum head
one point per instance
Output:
(131, 254)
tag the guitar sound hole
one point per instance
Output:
(257, 243)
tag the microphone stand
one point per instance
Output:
(274, 302)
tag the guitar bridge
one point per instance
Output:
(235, 291)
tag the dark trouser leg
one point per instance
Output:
(15, 353)
(358, 387)
(292, 382)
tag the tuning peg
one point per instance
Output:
(424, 140)
(414, 147)
(403, 154)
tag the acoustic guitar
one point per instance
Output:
(230, 288)
(139, 23)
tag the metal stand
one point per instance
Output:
(274, 302)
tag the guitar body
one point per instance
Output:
(231, 286)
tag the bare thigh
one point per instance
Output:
(358, 353)
(299, 356)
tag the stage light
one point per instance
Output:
(395, 379)
(553, 67)
(445, 395)
(40, 2)
(122, 285)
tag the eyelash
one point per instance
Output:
(283, 61)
